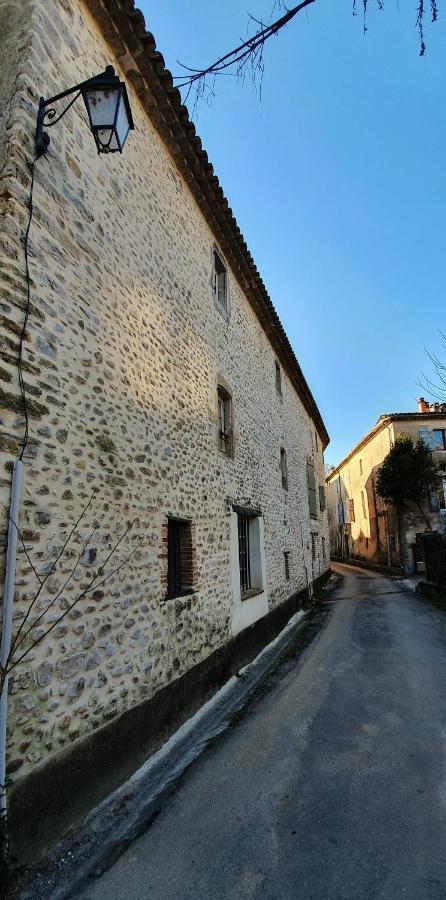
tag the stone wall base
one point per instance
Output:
(56, 796)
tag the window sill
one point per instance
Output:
(183, 595)
(229, 456)
(225, 313)
(255, 592)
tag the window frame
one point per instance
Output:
(314, 537)
(250, 557)
(180, 558)
(363, 504)
(278, 378)
(322, 498)
(284, 468)
(351, 509)
(220, 270)
(312, 489)
(443, 439)
(225, 434)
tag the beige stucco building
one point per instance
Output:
(158, 376)
(361, 525)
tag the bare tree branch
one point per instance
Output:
(15, 643)
(52, 567)
(92, 585)
(435, 388)
(250, 51)
(240, 54)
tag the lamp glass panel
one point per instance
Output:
(101, 103)
(122, 123)
(106, 141)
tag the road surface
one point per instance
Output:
(331, 787)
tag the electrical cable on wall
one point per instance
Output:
(26, 316)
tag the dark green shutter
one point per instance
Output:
(322, 503)
(311, 482)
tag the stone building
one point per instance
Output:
(161, 390)
(361, 525)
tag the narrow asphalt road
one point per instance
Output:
(334, 783)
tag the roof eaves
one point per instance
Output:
(123, 27)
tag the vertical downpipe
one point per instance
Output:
(8, 599)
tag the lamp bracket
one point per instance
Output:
(46, 114)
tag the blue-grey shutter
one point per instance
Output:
(311, 482)
(322, 503)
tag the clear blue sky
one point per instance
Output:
(338, 182)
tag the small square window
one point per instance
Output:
(180, 558)
(278, 379)
(220, 283)
(224, 402)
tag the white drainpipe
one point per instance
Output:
(8, 599)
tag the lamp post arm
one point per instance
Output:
(46, 110)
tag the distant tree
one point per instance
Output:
(247, 56)
(407, 475)
(435, 385)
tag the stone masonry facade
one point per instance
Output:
(124, 351)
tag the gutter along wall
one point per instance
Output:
(125, 348)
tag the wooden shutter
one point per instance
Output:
(311, 482)
(351, 510)
(322, 504)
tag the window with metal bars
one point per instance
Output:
(244, 553)
(287, 564)
(314, 537)
(224, 421)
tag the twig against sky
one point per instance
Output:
(248, 54)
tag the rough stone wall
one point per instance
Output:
(122, 357)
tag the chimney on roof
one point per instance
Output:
(423, 407)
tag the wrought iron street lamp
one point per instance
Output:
(108, 108)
